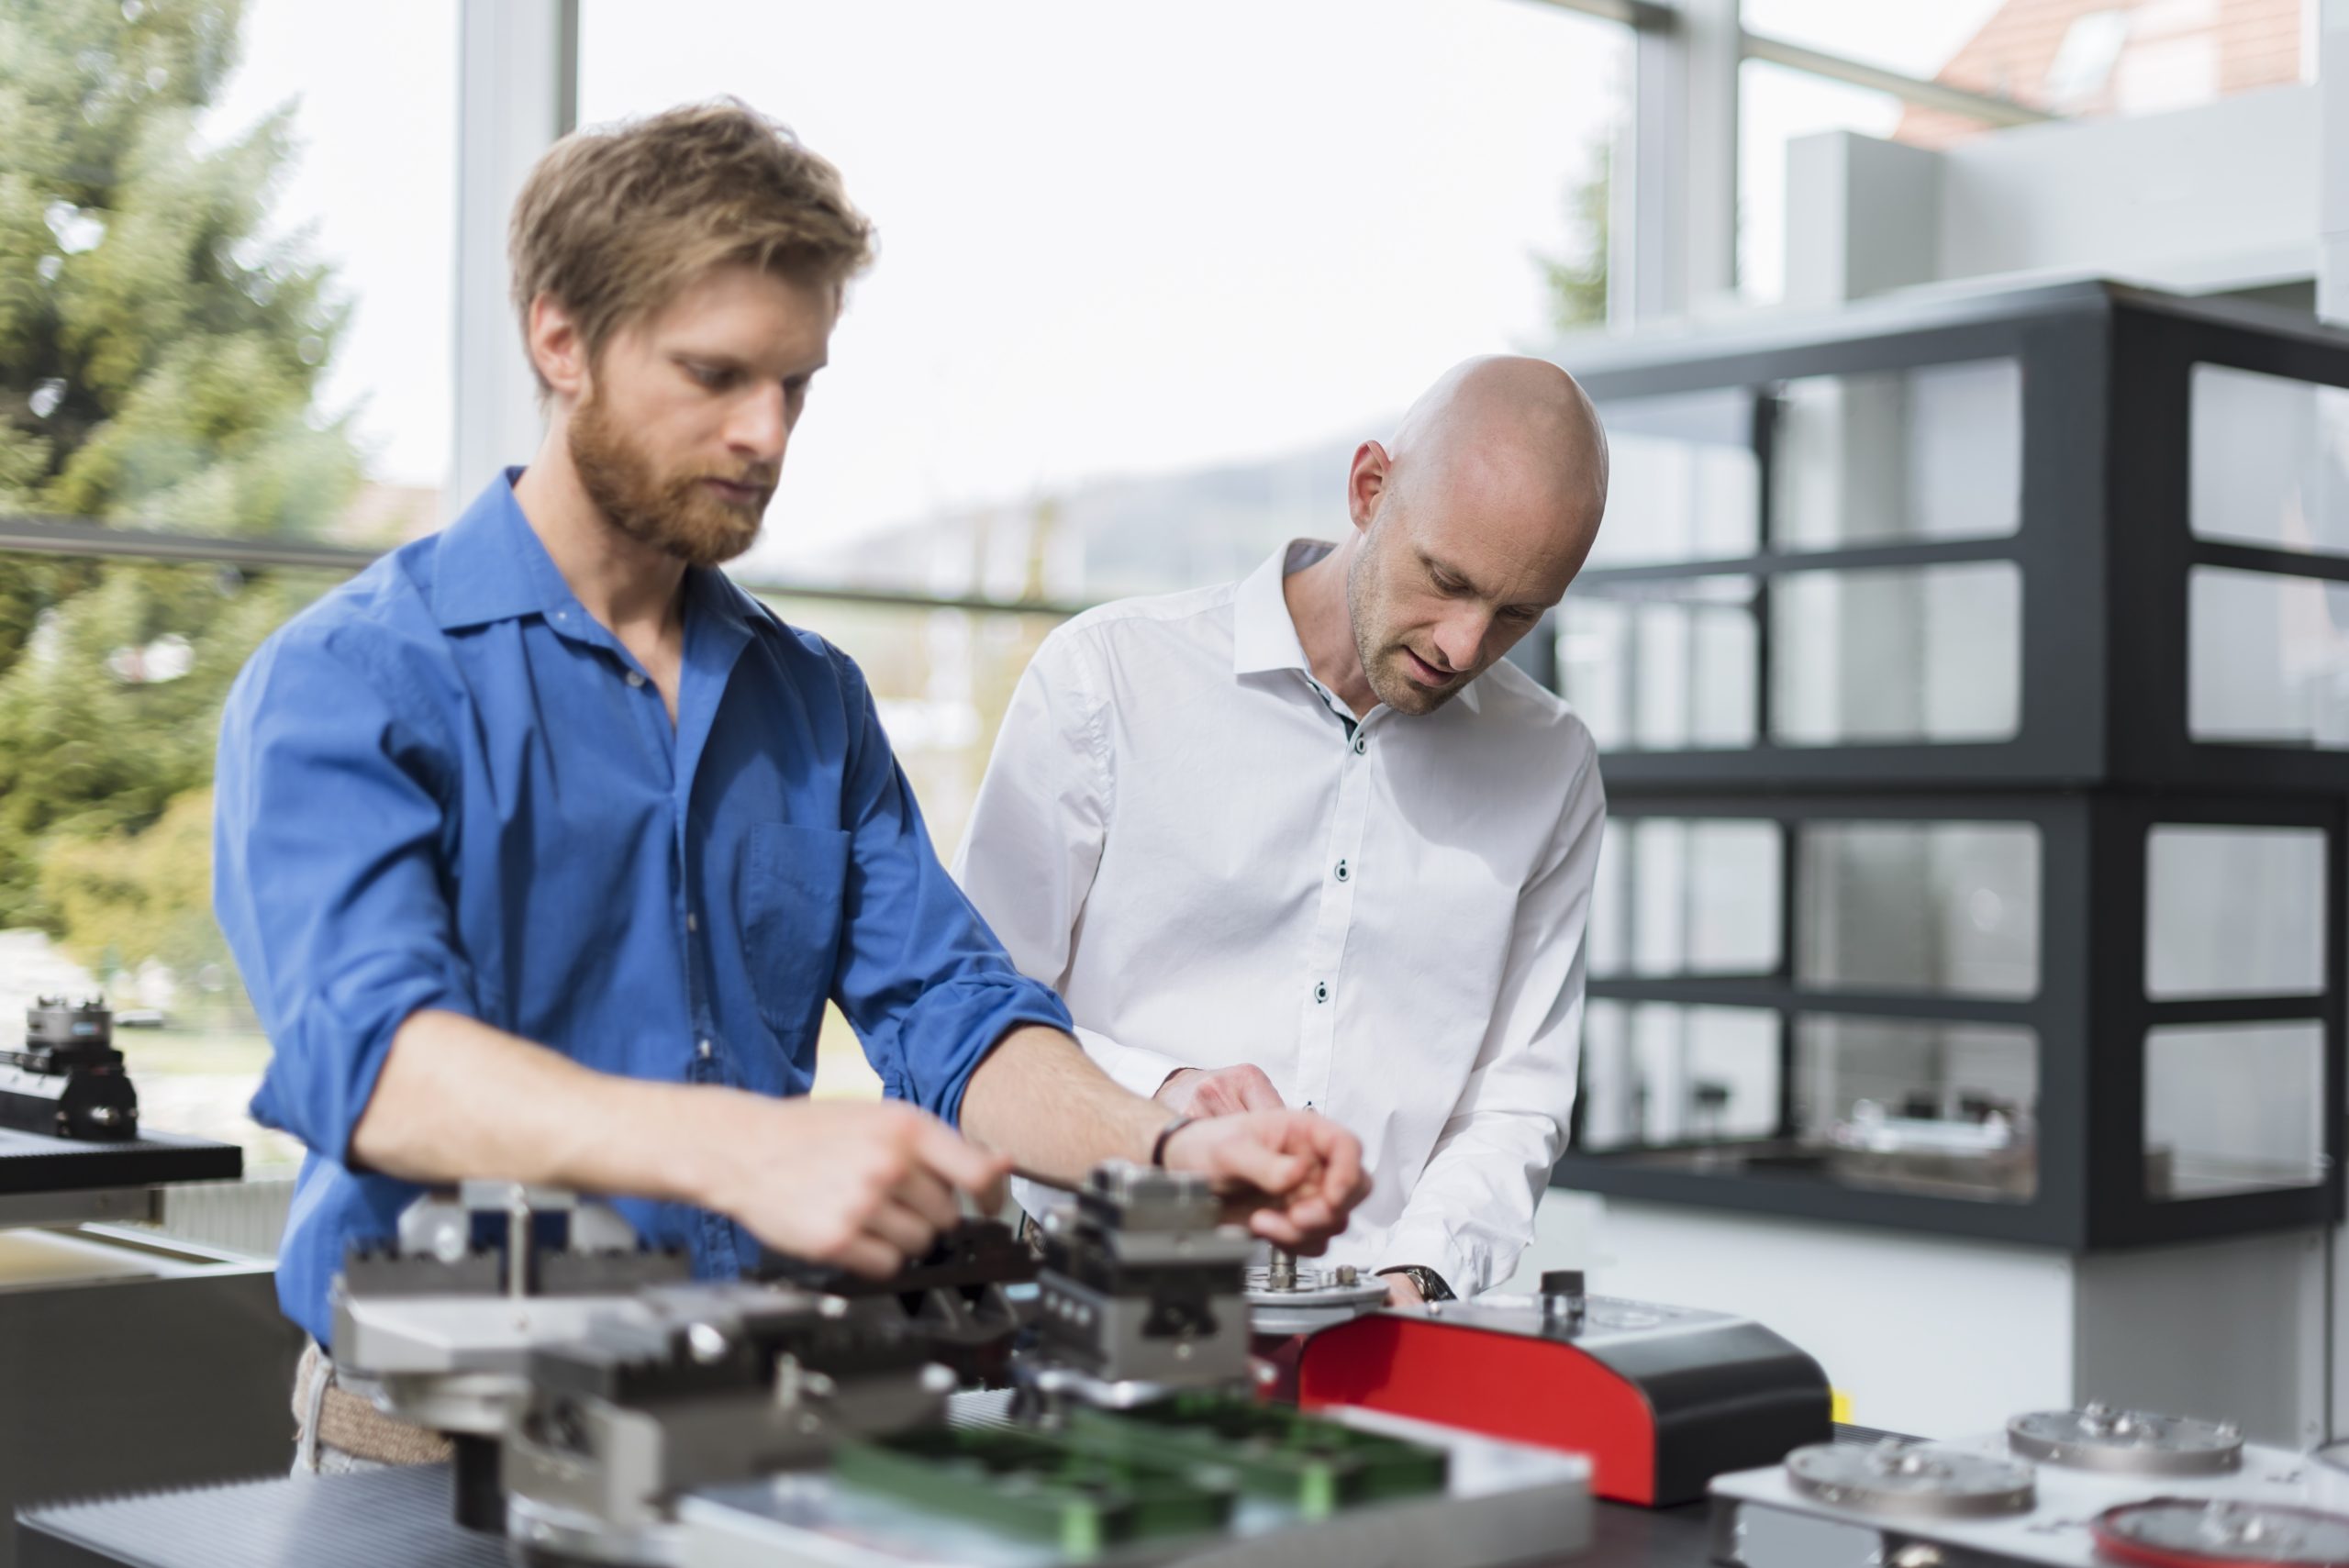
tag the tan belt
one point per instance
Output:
(327, 1416)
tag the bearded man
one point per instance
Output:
(1305, 839)
(542, 846)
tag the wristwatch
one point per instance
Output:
(1430, 1283)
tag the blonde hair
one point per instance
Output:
(615, 221)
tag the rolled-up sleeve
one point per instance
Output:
(326, 877)
(921, 978)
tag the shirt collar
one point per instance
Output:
(482, 563)
(1263, 634)
(491, 566)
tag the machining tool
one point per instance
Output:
(1662, 1399)
(699, 1385)
(2055, 1489)
(438, 1326)
(957, 1296)
(1142, 1291)
(68, 1080)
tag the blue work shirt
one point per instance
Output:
(446, 785)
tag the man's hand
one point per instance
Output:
(864, 1187)
(1298, 1174)
(1401, 1291)
(1218, 1091)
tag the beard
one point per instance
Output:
(676, 513)
(1382, 660)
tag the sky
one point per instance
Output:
(1116, 239)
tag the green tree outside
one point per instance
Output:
(160, 365)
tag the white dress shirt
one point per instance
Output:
(1178, 832)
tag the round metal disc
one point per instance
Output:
(1316, 1301)
(2198, 1532)
(2127, 1442)
(1920, 1480)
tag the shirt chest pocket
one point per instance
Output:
(793, 888)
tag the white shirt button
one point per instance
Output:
(1342, 872)
(693, 921)
(1320, 990)
(1360, 745)
(705, 1050)
(634, 679)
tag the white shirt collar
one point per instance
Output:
(1263, 634)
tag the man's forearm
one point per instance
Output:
(1039, 1100)
(458, 1100)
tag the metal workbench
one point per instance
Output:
(401, 1518)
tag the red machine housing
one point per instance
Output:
(1660, 1399)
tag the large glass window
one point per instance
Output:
(1146, 277)
(228, 289)
(1945, 907)
(1893, 654)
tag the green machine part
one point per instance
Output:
(1311, 1464)
(1041, 1485)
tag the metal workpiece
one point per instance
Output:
(68, 1080)
(1142, 1288)
(707, 1386)
(1565, 1301)
(1287, 1296)
(438, 1326)
(2190, 1532)
(1912, 1480)
(958, 1294)
(2127, 1442)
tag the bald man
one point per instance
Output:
(1305, 840)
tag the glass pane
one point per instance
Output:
(1888, 655)
(1683, 483)
(111, 679)
(2267, 659)
(2234, 911)
(1916, 40)
(2270, 460)
(2106, 58)
(1929, 453)
(229, 280)
(2233, 1108)
(1155, 385)
(1947, 906)
(1942, 1108)
(1662, 666)
(1775, 106)
(1655, 1072)
(1687, 896)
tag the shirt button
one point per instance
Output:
(1342, 872)
(693, 921)
(705, 1050)
(634, 679)
(1320, 990)
(1360, 745)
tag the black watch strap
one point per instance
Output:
(1158, 1144)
